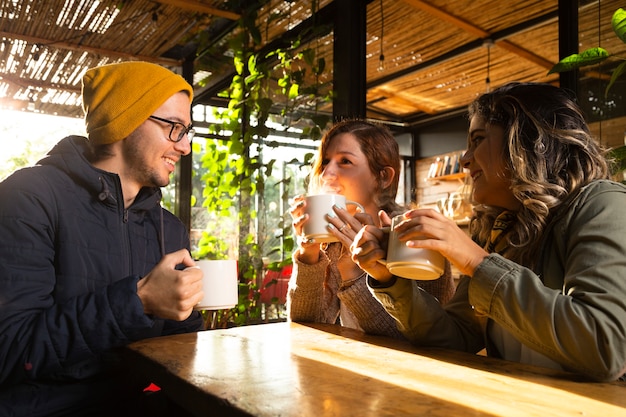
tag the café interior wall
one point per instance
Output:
(445, 136)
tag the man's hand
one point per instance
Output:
(169, 293)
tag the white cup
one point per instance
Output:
(317, 207)
(413, 263)
(219, 283)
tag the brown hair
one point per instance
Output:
(549, 153)
(379, 147)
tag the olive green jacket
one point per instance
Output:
(571, 309)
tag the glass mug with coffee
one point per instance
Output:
(412, 263)
(315, 229)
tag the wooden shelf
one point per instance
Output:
(449, 177)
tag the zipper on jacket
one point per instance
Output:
(126, 242)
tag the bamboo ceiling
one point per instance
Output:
(435, 51)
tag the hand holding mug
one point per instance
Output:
(308, 251)
(410, 261)
(169, 293)
(320, 208)
(429, 229)
(367, 242)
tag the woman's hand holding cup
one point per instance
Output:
(429, 229)
(366, 241)
(308, 250)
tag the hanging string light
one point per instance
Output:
(488, 43)
(381, 57)
(37, 53)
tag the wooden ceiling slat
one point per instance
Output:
(196, 6)
(447, 17)
(80, 48)
(433, 59)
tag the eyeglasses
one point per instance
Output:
(178, 131)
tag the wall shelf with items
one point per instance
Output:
(445, 165)
(438, 177)
(449, 177)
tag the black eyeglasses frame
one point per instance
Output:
(187, 130)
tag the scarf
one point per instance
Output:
(497, 241)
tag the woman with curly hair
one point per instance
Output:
(544, 272)
(361, 161)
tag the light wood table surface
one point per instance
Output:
(290, 369)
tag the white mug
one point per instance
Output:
(413, 263)
(219, 283)
(317, 207)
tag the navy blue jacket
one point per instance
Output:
(70, 259)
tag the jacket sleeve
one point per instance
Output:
(176, 237)
(38, 335)
(424, 321)
(575, 313)
(372, 316)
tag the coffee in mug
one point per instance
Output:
(413, 263)
(317, 207)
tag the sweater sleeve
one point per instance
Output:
(310, 295)
(368, 312)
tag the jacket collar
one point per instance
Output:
(69, 155)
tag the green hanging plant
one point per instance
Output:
(237, 177)
(597, 55)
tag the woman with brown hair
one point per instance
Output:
(361, 161)
(544, 272)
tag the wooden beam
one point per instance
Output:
(447, 17)
(478, 32)
(383, 93)
(83, 48)
(524, 53)
(196, 6)
(30, 82)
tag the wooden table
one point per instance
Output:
(289, 369)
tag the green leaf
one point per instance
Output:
(321, 66)
(309, 56)
(619, 24)
(252, 64)
(616, 74)
(283, 81)
(293, 91)
(589, 57)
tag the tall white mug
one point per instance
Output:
(219, 283)
(317, 207)
(413, 263)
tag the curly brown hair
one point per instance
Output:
(549, 153)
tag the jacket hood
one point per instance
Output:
(70, 156)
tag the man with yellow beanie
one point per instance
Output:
(89, 261)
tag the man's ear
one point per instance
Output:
(386, 176)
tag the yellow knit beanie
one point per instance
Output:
(117, 98)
